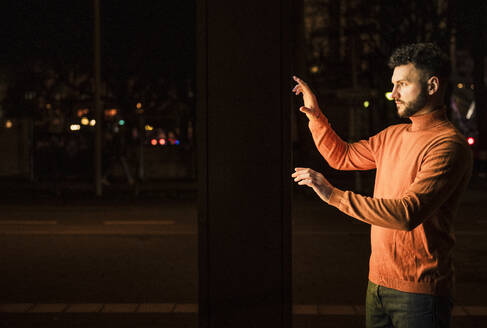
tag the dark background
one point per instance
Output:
(148, 58)
(148, 68)
(148, 77)
(135, 35)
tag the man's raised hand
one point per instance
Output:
(315, 180)
(310, 108)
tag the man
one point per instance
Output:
(422, 170)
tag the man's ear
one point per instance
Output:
(433, 85)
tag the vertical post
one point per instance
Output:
(31, 146)
(244, 163)
(98, 106)
(140, 153)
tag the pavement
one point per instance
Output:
(147, 315)
(171, 211)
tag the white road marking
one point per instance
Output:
(140, 222)
(49, 308)
(98, 232)
(156, 308)
(155, 227)
(27, 222)
(120, 308)
(84, 308)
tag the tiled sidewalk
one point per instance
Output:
(171, 315)
(127, 308)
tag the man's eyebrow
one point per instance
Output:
(401, 80)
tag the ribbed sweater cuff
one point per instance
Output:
(336, 197)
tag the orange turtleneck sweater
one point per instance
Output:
(422, 170)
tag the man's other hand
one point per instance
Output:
(310, 108)
(315, 180)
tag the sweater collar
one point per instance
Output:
(428, 120)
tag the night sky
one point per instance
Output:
(136, 35)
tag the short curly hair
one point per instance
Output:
(427, 57)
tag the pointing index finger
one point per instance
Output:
(297, 79)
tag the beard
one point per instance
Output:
(416, 105)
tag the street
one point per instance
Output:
(145, 252)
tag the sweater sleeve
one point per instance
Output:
(339, 154)
(444, 167)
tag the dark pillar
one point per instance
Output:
(244, 95)
(98, 104)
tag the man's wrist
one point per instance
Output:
(317, 114)
(328, 192)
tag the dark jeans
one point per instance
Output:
(386, 307)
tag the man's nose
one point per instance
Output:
(394, 93)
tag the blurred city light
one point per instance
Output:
(389, 95)
(471, 110)
(85, 121)
(139, 105)
(111, 112)
(8, 124)
(470, 141)
(314, 69)
(366, 104)
(74, 127)
(149, 128)
(121, 122)
(92, 123)
(460, 85)
(174, 141)
(83, 111)
(162, 142)
(48, 106)
(153, 142)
